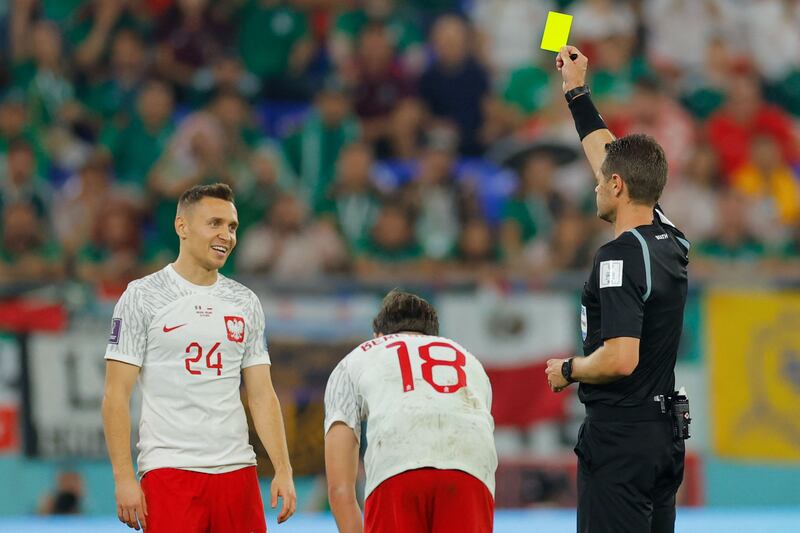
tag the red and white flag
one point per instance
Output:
(513, 336)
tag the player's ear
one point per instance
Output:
(181, 227)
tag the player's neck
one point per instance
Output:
(192, 272)
(417, 333)
(631, 216)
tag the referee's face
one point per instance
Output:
(606, 195)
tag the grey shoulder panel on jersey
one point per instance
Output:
(646, 256)
(686, 244)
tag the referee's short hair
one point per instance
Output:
(403, 311)
(194, 194)
(640, 161)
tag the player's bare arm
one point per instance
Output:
(615, 359)
(268, 421)
(341, 467)
(120, 380)
(573, 73)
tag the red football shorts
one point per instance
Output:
(430, 500)
(181, 501)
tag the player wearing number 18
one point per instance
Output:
(430, 457)
(189, 335)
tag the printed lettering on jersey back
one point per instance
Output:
(235, 328)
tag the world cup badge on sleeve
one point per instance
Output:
(116, 327)
(235, 327)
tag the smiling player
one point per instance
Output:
(190, 335)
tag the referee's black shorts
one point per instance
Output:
(628, 474)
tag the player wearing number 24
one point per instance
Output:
(189, 335)
(426, 401)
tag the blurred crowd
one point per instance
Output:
(386, 138)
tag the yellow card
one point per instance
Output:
(556, 31)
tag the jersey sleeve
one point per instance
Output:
(256, 352)
(341, 401)
(622, 288)
(127, 341)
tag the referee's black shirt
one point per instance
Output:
(637, 289)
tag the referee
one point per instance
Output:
(630, 447)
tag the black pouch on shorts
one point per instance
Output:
(679, 411)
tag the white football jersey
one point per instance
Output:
(426, 401)
(191, 342)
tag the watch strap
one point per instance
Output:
(566, 370)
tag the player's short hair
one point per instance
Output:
(403, 311)
(640, 161)
(194, 194)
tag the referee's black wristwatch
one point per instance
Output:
(572, 94)
(566, 370)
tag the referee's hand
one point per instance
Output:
(555, 379)
(573, 72)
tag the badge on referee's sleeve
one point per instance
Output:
(610, 274)
(556, 31)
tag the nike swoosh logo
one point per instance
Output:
(167, 330)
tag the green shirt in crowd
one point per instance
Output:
(76, 25)
(135, 150)
(355, 215)
(150, 253)
(312, 152)
(745, 250)
(789, 250)
(703, 101)
(618, 85)
(435, 6)
(532, 215)
(256, 198)
(528, 88)
(45, 91)
(267, 36)
(371, 249)
(403, 31)
(109, 101)
(49, 251)
(60, 11)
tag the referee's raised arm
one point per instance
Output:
(592, 130)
